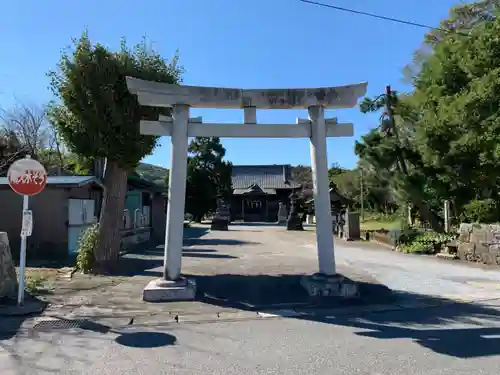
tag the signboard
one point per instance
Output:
(27, 226)
(27, 177)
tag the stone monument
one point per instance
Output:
(282, 213)
(352, 230)
(341, 223)
(8, 278)
(222, 216)
(294, 221)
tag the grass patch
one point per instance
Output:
(377, 221)
(35, 283)
(370, 224)
(41, 281)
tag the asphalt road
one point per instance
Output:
(412, 338)
(444, 340)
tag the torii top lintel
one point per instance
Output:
(157, 94)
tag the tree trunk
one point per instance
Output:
(111, 220)
(427, 215)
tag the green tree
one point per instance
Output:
(458, 132)
(335, 170)
(462, 19)
(391, 148)
(11, 150)
(98, 118)
(208, 176)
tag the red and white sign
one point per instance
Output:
(27, 177)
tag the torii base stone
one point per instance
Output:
(160, 290)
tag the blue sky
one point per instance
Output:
(228, 43)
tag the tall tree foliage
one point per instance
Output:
(462, 19)
(26, 126)
(458, 133)
(208, 176)
(449, 126)
(98, 118)
(11, 149)
(391, 148)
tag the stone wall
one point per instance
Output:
(479, 243)
(8, 278)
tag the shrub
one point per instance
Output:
(426, 242)
(408, 235)
(34, 283)
(86, 246)
(481, 211)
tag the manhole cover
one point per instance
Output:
(49, 325)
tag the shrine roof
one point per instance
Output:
(267, 177)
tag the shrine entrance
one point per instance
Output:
(180, 127)
(254, 209)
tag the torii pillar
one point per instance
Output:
(180, 127)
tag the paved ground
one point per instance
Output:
(252, 268)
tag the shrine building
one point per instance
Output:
(258, 190)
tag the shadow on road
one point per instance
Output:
(481, 337)
(12, 317)
(144, 261)
(146, 339)
(149, 262)
(216, 242)
(427, 321)
(45, 353)
(189, 254)
(141, 339)
(252, 224)
(257, 292)
(194, 232)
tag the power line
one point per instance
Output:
(396, 20)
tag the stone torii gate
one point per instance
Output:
(180, 126)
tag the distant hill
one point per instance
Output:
(152, 173)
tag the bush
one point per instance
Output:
(35, 284)
(408, 235)
(425, 242)
(481, 211)
(86, 246)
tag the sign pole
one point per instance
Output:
(22, 259)
(26, 177)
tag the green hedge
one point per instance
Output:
(424, 242)
(481, 211)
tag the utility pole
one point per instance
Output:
(362, 193)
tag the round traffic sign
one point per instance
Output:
(27, 176)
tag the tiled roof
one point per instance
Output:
(265, 176)
(136, 182)
(61, 180)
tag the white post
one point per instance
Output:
(319, 163)
(446, 216)
(176, 193)
(22, 258)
